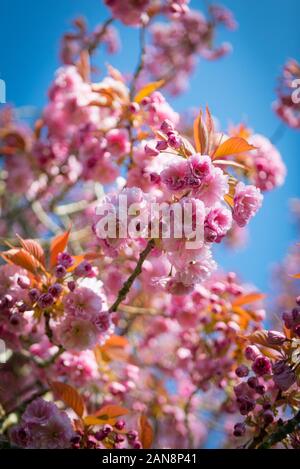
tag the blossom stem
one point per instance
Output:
(281, 432)
(140, 65)
(138, 269)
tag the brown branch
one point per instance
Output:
(138, 269)
(281, 432)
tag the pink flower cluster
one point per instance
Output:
(84, 323)
(247, 201)
(44, 426)
(287, 106)
(177, 45)
(267, 169)
(130, 12)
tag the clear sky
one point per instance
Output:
(240, 86)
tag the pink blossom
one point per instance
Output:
(82, 302)
(217, 223)
(117, 142)
(78, 368)
(129, 12)
(156, 109)
(269, 171)
(247, 201)
(43, 425)
(287, 108)
(213, 188)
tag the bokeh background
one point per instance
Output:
(240, 86)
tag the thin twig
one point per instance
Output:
(140, 64)
(138, 269)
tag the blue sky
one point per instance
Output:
(240, 86)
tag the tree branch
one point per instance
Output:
(138, 269)
(140, 64)
(281, 432)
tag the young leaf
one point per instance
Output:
(92, 420)
(69, 396)
(58, 244)
(34, 248)
(145, 432)
(113, 349)
(232, 146)
(261, 338)
(148, 89)
(110, 411)
(200, 135)
(248, 299)
(21, 258)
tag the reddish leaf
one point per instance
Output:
(200, 135)
(34, 248)
(261, 338)
(113, 349)
(116, 341)
(148, 89)
(58, 244)
(248, 298)
(110, 411)
(145, 432)
(233, 146)
(21, 258)
(70, 397)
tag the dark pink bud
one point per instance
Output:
(161, 145)
(83, 269)
(239, 429)
(100, 435)
(155, 178)
(119, 438)
(260, 389)
(262, 366)
(132, 435)
(60, 271)
(242, 371)
(174, 141)
(71, 285)
(137, 445)
(45, 300)
(107, 429)
(55, 289)
(268, 417)
(252, 382)
(166, 126)
(120, 424)
(65, 259)
(33, 294)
